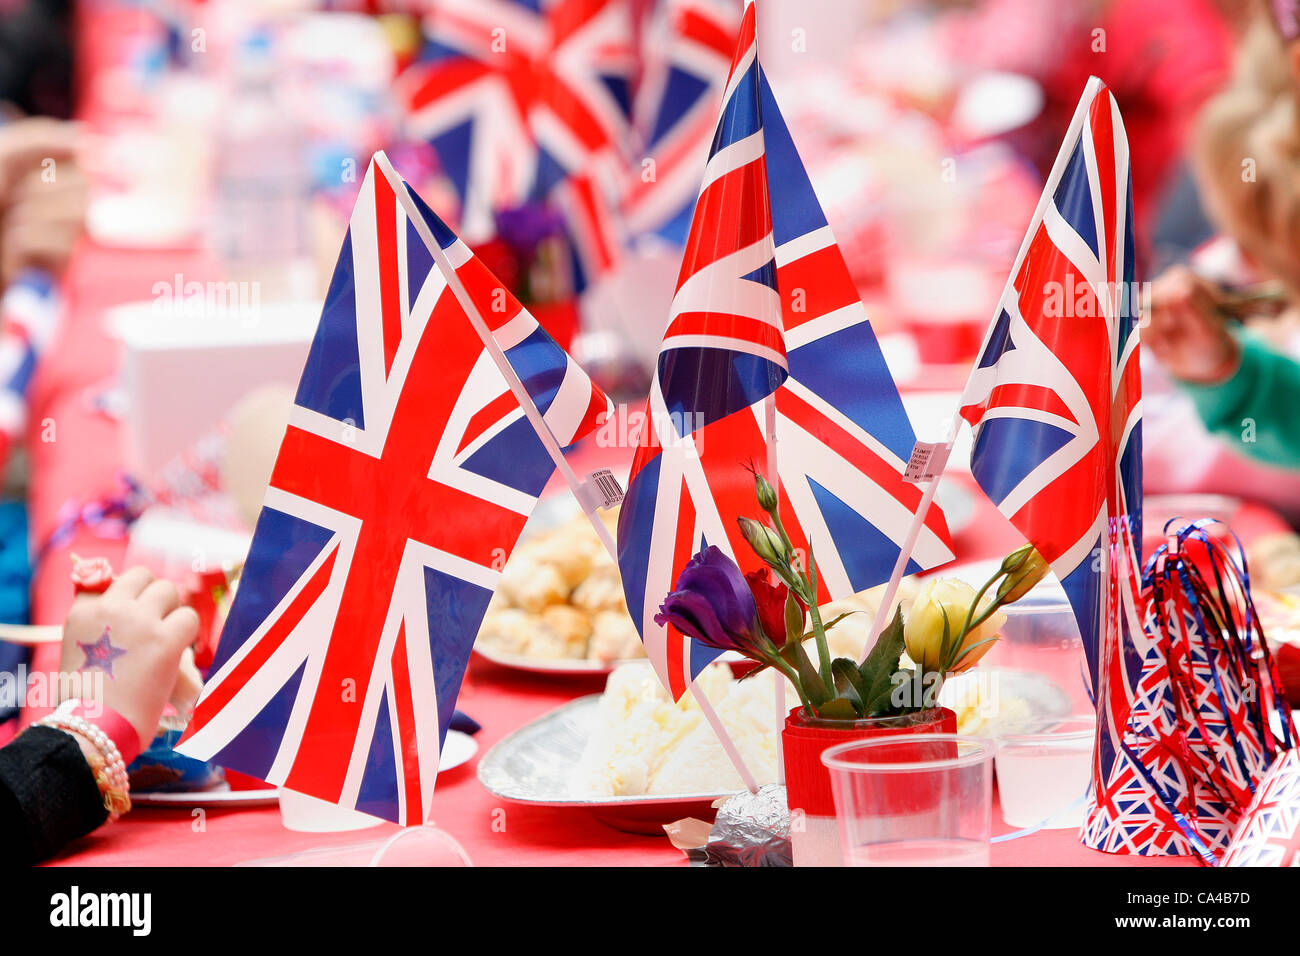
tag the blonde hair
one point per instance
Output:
(1247, 153)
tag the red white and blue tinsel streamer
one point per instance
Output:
(1208, 717)
(190, 484)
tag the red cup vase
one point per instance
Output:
(814, 836)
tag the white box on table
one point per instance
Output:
(186, 365)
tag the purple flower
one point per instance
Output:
(525, 227)
(712, 603)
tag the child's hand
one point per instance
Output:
(126, 644)
(1186, 332)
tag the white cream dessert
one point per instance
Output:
(643, 743)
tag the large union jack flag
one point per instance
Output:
(1056, 403)
(765, 265)
(405, 476)
(530, 99)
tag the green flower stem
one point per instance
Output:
(969, 624)
(775, 515)
(938, 687)
(823, 648)
(810, 599)
(970, 612)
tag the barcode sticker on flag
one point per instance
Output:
(927, 461)
(602, 489)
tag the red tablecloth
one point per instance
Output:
(82, 463)
(492, 832)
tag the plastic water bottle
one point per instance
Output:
(259, 226)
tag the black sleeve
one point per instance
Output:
(48, 795)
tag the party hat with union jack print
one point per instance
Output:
(407, 472)
(765, 313)
(1269, 831)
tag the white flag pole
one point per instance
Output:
(724, 738)
(493, 348)
(543, 430)
(774, 479)
(909, 542)
(918, 520)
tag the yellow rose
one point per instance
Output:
(1024, 568)
(924, 626)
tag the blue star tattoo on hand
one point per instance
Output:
(101, 654)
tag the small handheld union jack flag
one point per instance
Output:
(406, 475)
(1055, 401)
(765, 306)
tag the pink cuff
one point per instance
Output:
(113, 724)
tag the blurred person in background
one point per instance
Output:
(42, 193)
(42, 212)
(1160, 58)
(1243, 383)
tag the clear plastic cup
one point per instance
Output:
(413, 846)
(1041, 635)
(913, 799)
(1043, 777)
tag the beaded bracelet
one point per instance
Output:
(65, 717)
(116, 801)
(108, 768)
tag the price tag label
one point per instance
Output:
(602, 489)
(927, 461)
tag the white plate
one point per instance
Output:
(262, 797)
(571, 666)
(31, 634)
(991, 104)
(1046, 701)
(551, 512)
(555, 666)
(457, 749)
